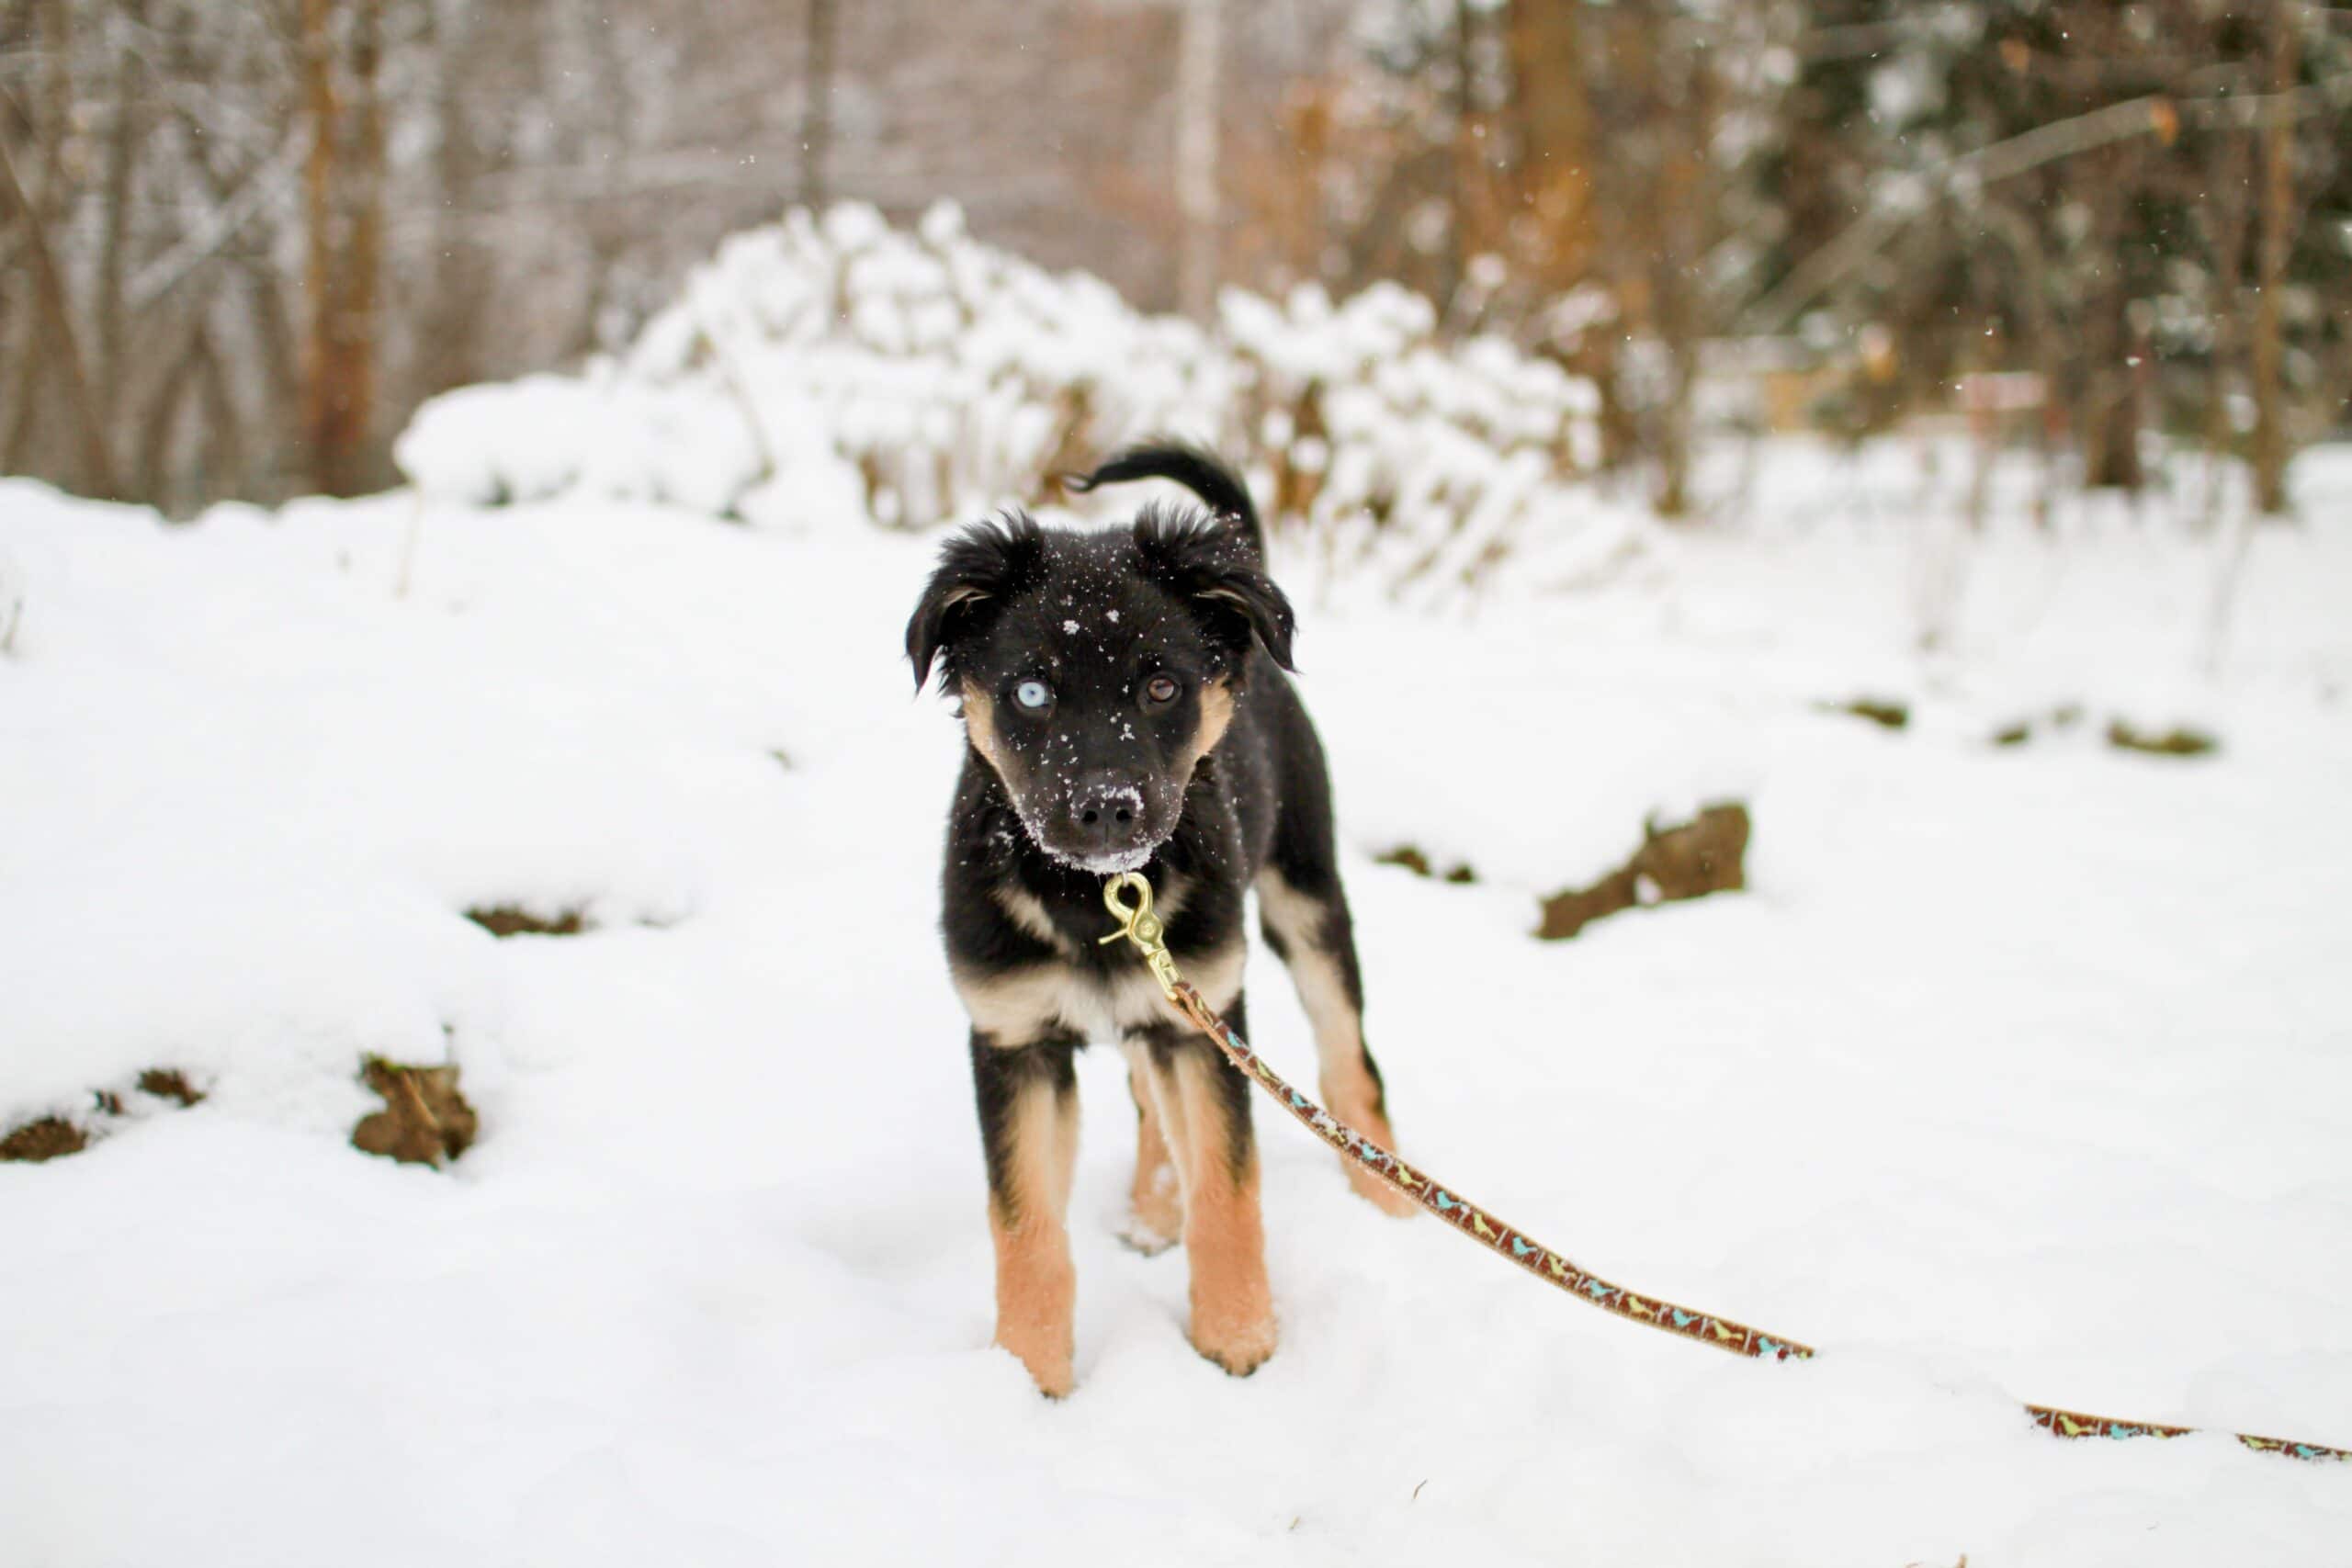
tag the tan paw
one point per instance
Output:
(1049, 1368)
(1154, 1208)
(1140, 1235)
(1378, 1193)
(1240, 1347)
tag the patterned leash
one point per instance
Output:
(1138, 925)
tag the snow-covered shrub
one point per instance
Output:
(818, 368)
(1395, 445)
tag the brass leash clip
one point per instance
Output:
(1140, 926)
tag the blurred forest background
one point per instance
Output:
(239, 243)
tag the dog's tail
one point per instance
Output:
(1195, 470)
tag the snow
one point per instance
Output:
(2017, 1074)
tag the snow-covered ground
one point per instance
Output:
(2019, 1072)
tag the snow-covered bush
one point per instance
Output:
(821, 367)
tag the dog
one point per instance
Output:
(1125, 699)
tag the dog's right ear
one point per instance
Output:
(978, 568)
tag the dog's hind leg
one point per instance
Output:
(1156, 1202)
(1304, 911)
(1204, 1109)
(1027, 1098)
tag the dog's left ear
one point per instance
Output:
(978, 569)
(1217, 569)
(1262, 608)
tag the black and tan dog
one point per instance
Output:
(1121, 695)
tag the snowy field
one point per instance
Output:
(2019, 1072)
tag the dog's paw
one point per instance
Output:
(1047, 1367)
(1379, 1194)
(1239, 1348)
(1139, 1235)
(1155, 1207)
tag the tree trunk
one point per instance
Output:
(1681, 193)
(2278, 197)
(318, 425)
(1199, 51)
(1465, 163)
(817, 113)
(1552, 130)
(122, 155)
(363, 265)
(2111, 404)
(53, 327)
(344, 195)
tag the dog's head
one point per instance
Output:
(1095, 670)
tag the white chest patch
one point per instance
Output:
(1018, 1007)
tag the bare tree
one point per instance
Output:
(2278, 222)
(817, 113)
(50, 340)
(1199, 72)
(344, 225)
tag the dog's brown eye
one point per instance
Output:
(1160, 690)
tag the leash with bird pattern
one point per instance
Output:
(1138, 925)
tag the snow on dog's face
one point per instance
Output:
(1095, 670)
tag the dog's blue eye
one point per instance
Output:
(1032, 694)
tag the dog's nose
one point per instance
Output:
(1106, 811)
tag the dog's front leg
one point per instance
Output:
(1027, 1098)
(1205, 1115)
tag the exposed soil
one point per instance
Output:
(169, 1083)
(1883, 712)
(45, 1139)
(50, 1137)
(1688, 861)
(2024, 729)
(506, 920)
(1412, 859)
(2174, 742)
(424, 1120)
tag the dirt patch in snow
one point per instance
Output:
(1884, 712)
(45, 1139)
(1413, 859)
(424, 1120)
(169, 1083)
(512, 919)
(1708, 855)
(2024, 729)
(2174, 742)
(48, 1137)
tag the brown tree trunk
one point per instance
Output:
(817, 114)
(1551, 126)
(1200, 73)
(123, 156)
(2112, 405)
(1680, 195)
(1466, 159)
(54, 329)
(450, 316)
(344, 197)
(2278, 199)
(1552, 191)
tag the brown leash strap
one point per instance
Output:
(1139, 925)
